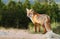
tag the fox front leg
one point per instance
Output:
(35, 25)
(38, 27)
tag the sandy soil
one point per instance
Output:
(25, 34)
(18, 34)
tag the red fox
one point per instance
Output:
(39, 19)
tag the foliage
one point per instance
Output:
(13, 14)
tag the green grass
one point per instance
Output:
(56, 27)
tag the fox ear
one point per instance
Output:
(27, 9)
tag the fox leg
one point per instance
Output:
(35, 27)
(44, 29)
(39, 27)
(47, 26)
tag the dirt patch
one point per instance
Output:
(24, 34)
(17, 34)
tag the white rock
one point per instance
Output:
(52, 35)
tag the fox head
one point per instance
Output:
(29, 12)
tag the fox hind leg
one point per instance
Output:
(44, 29)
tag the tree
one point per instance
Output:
(54, 12)
(8, 14)
(26, 21)
(38, 7)
(26, 4)
(19, 14)
(1, 10)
